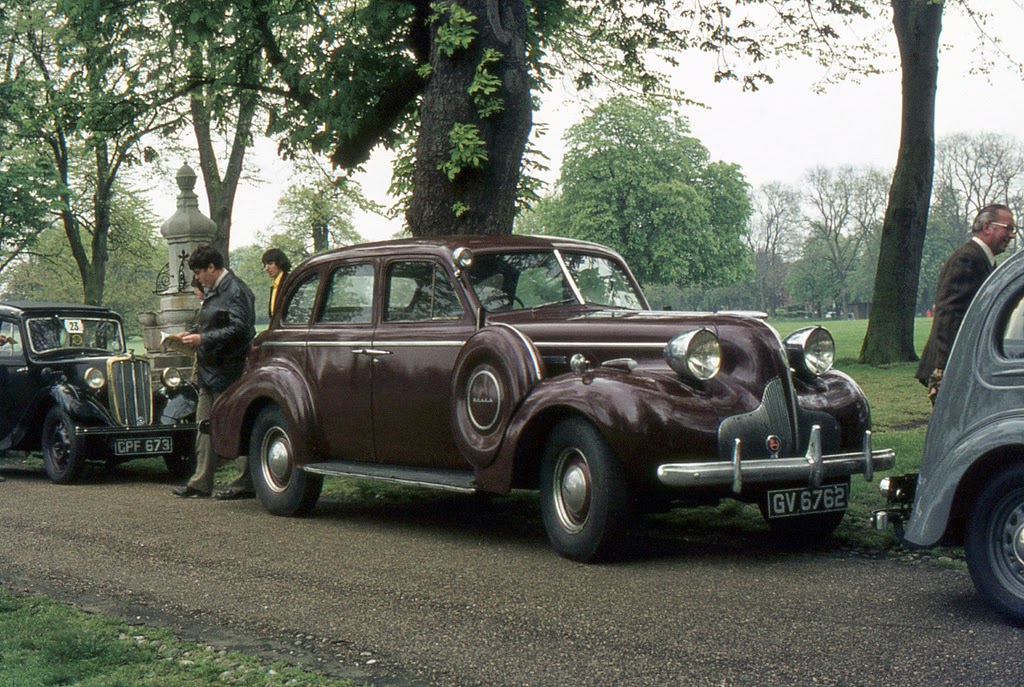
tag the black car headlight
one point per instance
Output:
(171, 377)
(94, 378)
(695, 354)
(811, 351)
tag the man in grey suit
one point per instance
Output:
(959, 279)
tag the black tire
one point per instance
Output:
(584, 499)
(281, 487)
(804, 529)
(180, 467)
(994, 543)
(64, 463)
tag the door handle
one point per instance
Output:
(370, 351)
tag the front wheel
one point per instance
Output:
(64, 462)
(281, 486)
(584, 498)
(994, 543)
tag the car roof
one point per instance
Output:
(16, 308)
(444, 245)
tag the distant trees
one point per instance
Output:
(634, 179)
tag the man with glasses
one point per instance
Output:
(959, 279)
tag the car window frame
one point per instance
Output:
(456, 286)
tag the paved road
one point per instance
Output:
(457, 591)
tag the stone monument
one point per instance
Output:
(184, 231)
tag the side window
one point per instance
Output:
(299, 307)
(419, 292)
(1013, 333)
(349, 297)
(10, 342)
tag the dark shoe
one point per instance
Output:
(233, 494)
(189, 493)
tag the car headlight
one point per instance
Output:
(695, 354)
(94, 378)
(811, 351)
(171, 377)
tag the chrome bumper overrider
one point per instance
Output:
(812, 467)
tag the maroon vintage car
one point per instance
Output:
(483, 364)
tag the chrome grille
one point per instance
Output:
(131, 391)
(771, 417)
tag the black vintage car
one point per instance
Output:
(72, 390)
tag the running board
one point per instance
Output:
(450, 480)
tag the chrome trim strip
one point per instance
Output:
(568, 276)
(415, 344)
(538, 368)
(598, 344)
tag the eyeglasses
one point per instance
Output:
(1008, 227)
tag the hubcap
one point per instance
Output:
(61, 445)
(1008, 542)
(276, 459)
(572, 489)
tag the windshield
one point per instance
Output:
(511, 281)
(55, 333)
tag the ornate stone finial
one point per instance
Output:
(185, 230)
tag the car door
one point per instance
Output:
(19, 388)
(424, 324)
(339, 361)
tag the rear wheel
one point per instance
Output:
(585, 500)
(63, 461)
(994, 543)
(281, 486)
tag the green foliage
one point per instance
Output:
(48, 271)
(485, 85)
(44, 643)
(455, 30)
(633, 179)
(467, 150)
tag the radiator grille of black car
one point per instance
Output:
(131, 391)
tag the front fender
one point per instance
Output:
(944, 466)
(277, 383)
(644, 418)
(81, 409)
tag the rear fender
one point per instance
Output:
(951, 475)
(235, 410)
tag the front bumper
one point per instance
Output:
(135, 442)
(814, 468)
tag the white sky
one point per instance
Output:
(777, 133)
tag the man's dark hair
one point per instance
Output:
(277, 257)
(204, 256)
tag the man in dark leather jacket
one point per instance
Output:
(221, 338)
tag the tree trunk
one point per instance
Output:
(478, 200)
(221, 192)
(890, 333)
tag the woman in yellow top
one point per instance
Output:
(276, 265)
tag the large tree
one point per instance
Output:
(890, 332)
(85, 98)
(634, 179)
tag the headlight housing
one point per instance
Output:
(811, 351)
(94, 378)
(695, 354)
(171, 377)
